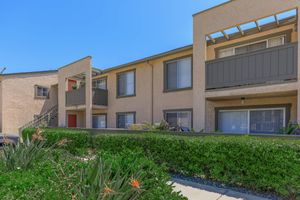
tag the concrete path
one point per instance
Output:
(196, 191)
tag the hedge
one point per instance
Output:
(260, 164)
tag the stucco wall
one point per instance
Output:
(79, 67)
(142, 102)
(19, 104)
(212, 105)
(228, 15)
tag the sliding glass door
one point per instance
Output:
(264, 120)
(233, 121)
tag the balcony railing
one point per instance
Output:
(270, 65)
(77, 97)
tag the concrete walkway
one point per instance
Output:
(196, 191)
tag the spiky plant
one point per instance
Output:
(100, 182)
(23, 155)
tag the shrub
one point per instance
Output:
(258, 164)
(77, 140)
(125, 175)
(23, 155)
(261, 164)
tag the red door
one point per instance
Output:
(71, 83)
(72, 121)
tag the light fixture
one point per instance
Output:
(243, 100)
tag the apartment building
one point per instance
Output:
(240, 75)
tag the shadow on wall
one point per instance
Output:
(52, 100)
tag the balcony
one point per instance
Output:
(270, 65)
(77, 97)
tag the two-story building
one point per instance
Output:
(239, 76)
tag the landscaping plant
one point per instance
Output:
(270, 165)
(23, 155)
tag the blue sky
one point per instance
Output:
(43, 35)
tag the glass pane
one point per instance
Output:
(172, 75)
(233, 121)
(129, 120)
(184, 73)
(241, 50)
(274, 42)
(251, 47)
(266, 121)
(171, 118)
(185, 119)
(129, 83)
(225, 52)
(121, 84)
(121, 121)
(99, 121)
(257, 46)
(100, 84)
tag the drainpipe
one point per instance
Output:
(152, 92)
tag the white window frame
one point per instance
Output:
(257, 109)
(283, 38)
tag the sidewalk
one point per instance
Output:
(197, 191)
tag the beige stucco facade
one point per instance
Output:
(222, 17)
(18, 102)
(150, 100)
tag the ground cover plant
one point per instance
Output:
(270, 165)
(57, 173)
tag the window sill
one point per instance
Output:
(41, 97)
(126, 96)
(177, 90)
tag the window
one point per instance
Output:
(178, 74)
(226, 52)
(100, 83)
(126, 84)
(125, 120)
(179, 118)
(99, 121)
(265, 120)
(41, 92)
(268, 43)
(251, 47)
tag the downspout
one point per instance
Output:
(152, 92)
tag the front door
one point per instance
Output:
(72, 121)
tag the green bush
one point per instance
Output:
(77, 140)
(63, 176)
(261, 164)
